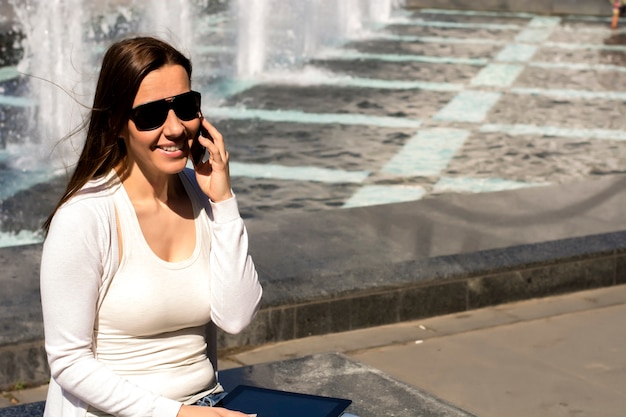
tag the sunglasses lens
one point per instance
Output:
(186, 106)
(152, 115)
(149, 116)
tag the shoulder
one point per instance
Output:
(83, 231)
(91, 208)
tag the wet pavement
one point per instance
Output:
(436, 102)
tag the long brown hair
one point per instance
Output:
(124, 67)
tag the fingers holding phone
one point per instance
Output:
(210, 159)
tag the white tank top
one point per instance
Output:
(150, 327)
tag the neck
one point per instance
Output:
(144, 188)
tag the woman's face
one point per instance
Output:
(163, 150)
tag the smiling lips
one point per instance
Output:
(172, 148)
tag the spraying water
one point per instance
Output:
(62, 45)
(63, 41)
(64, 38)
(252, 36)
(279, 34)
(55, 63)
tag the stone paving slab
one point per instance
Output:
(570, 364)
(560, 111)
(388, 46)
(402, 71)
(411, 103)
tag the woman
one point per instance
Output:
(142, 254)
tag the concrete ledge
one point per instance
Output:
(577, 7)
(442, 285)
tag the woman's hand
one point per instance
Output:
(213, 174)
(198, 411)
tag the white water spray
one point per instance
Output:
(278, 34)
(55, 61)
(61, 59)
(252, 36)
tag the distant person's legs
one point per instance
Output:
(617, 10)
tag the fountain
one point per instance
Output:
(62, 44)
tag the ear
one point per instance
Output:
(124, 135)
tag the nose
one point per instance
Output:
(173, 126)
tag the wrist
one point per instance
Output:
(223, 197)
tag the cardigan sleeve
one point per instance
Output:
(77, 253)
(235, 289)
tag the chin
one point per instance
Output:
(175, 167)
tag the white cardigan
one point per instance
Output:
(79, 260)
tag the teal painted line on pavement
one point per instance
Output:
(293, 116)
(468, 106)
(8, 73)
(538, 30)
(298, 173)
(577, 66)
(517, 52)
(606, 30)
(224, 88)
(18, 180)
(23, 237)
(427, 153)
(357, 56)
(394, 85)
(497, 75)
(584, 18)
(544, 22)
(555, 131)
(534, 35)
(477, 13)
(585, 46)
(458, 25)
(480, 185)
(340, 81)
(571, 94)
(372, 195)
(482, 41)
(16, 101)
(440, 39)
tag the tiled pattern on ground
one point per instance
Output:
(503, 102)
(435, 102)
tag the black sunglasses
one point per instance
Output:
(150, 116)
